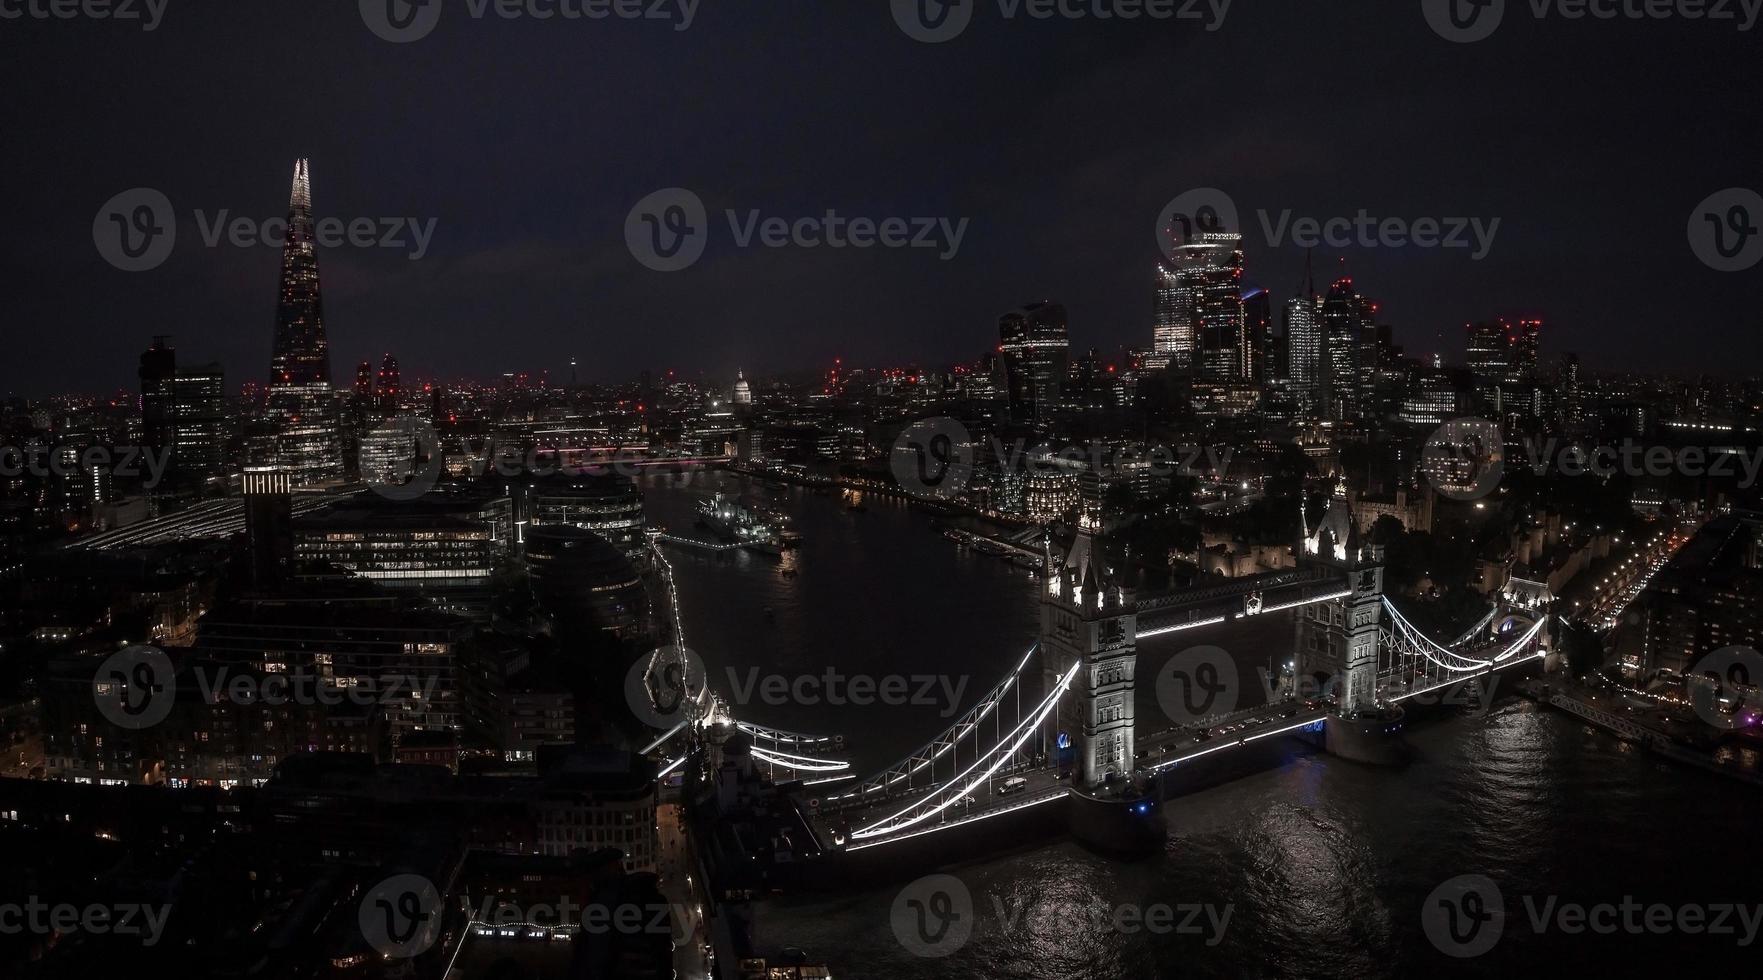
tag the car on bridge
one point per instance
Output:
(1015, 784)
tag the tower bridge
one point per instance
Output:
(1061, 725)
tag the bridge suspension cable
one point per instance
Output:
(1418, 643)
(956, 789)
(1469, 633)
(926, 756)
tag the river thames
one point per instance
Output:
(1317, 868)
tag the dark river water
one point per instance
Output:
(1318, 868)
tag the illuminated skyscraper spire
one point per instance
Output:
(307, 443)
(302, 353)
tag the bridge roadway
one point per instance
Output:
(1158, 751)
(1162, 750)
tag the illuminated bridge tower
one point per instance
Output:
(1338, 641)
(1089, 620)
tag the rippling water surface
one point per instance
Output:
(1322, 865)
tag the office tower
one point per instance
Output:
(302, 404)
(302, 351)
(1487, 350)
(1172, 331)
(1503, 353)
(1257, 336)
(364, 380)
(183, 413)
(1572, 391)
(199, 401)
(1347, 319)
(1307, 355)
(1526, 338)
(608, 504)
(390, 385)
(1200, 306)
(269, 515)
(1037, 355)
(158, 374)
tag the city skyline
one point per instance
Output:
(794, 490)
(528, 237)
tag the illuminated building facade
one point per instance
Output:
(302, 404)
(1200, 307)
(438, 543)
(608, 504)
(1036, 347)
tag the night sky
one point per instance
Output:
(528, 142)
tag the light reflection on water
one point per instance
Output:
(1323, 864)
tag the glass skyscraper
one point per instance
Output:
(1200, 307)
(302, 404)
(1036, 346)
